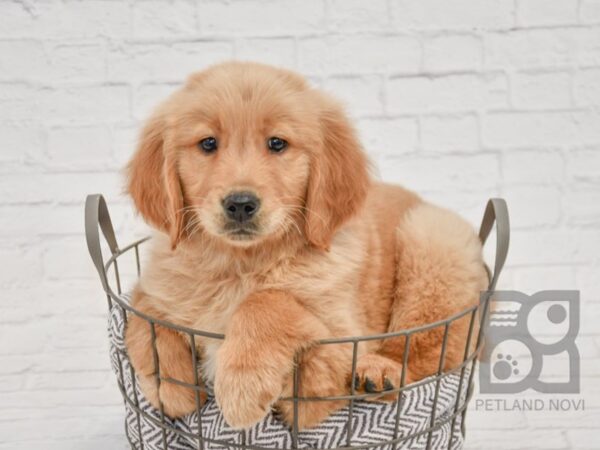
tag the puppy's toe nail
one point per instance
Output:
(370, 385)
(387, 385)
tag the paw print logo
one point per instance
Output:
(505, 366)
(521, 333)
(510, 362)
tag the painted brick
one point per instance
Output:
(587, 87)
(20, 267)
(450, 133)
(541, 90)
(537, 167)
(280, 52)
(543, 48)
(363, 95)
(147, 97)
(455, 52)
(460, 14)
(85, 104)
(361, 54)
(389, 136)
(588, 282)
(513, 129)
(534, 279)
(16, 20)
(256, 17)
(434, 173)
(73, 62)
(21, 143)
(533, 206)
(125, 142)
(582, 438)
(67, 259)
(58, 62)
(164, 19)
(80, 147)
(66, 187)
(165, 63)
(14, 66)
(583, 166)
(589, 11)
(357, 15)
(447, 93)
(541, 12)
(19, 102)
(536, 247)
(582, 207)
(519, 439)
(80, 20)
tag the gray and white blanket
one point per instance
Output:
(372, 427)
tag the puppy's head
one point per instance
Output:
(246, 153)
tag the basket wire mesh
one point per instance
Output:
(96, 215)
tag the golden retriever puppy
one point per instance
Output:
(270, 230)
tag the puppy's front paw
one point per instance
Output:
(245, 390)
(378, 374)
(177, 400)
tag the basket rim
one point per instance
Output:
(118, 297)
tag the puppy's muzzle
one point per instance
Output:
(241, 206)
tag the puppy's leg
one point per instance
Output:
(175, 361)
(322, 372)
(255, 362)
(440, 272)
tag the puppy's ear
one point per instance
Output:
(154, 183)
(338, 181)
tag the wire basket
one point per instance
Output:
(442, 427)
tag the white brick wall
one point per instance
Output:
(459, 99)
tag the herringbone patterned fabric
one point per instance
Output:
(373, 424)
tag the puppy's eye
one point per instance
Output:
(208, 145)
(276, 145)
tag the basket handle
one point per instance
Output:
(496, 212)
(96, 214)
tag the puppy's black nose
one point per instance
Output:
(241, 206)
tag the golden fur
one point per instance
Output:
(333, 254)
